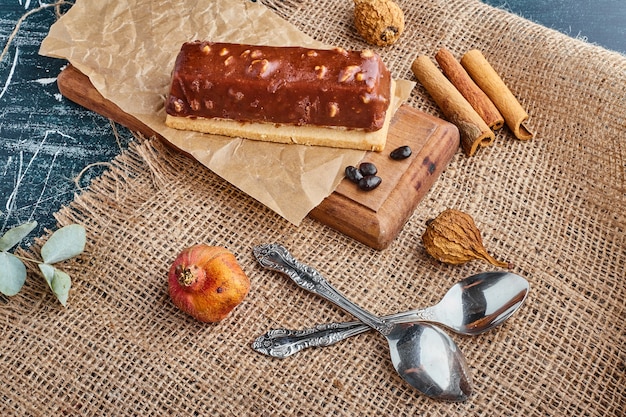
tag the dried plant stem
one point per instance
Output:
(57, 5)
(27, 259)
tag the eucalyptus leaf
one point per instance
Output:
(48, 273)
(12, 274)
(13, 236)
(65, 243)
(59, 282)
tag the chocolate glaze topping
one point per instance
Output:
(286, 85)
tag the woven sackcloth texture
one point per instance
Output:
(554, 206)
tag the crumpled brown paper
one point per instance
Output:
(127, 48)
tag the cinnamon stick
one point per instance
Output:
(472, 128)
(457, 75)
(490, 82)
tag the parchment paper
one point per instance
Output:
(127, 49)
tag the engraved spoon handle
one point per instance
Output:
(281, 343)
(278, 258)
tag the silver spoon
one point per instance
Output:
(422, 354)
(472, 306)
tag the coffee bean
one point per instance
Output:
(367, 168)
(400, 153)
(369, 182)
(353, 174)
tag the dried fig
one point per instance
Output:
(452, 237)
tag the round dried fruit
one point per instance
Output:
(379, 22)
(206, 282)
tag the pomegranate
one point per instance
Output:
(207, 283)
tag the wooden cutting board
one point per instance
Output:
(372, 217)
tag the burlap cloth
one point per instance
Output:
(554, 206)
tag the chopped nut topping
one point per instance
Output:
(321, 71)
(245, 53)
(195, 105)
(367, 53)
(312, 53)
(263, 67)
(360, 76)
(224, 51)
(365, 98)
(209, 104)
(348, 73)
(206, 49)
(341, 50)
(256, 54)
(333, 109)
(195, 86)
(237, 95)
(178, 106)
(229, 60)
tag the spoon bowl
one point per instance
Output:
(425, 357)
(472, 306)
(475, 304)
(422, 354)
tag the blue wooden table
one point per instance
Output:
(47, 143)
(50, 147)
(601, 22)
